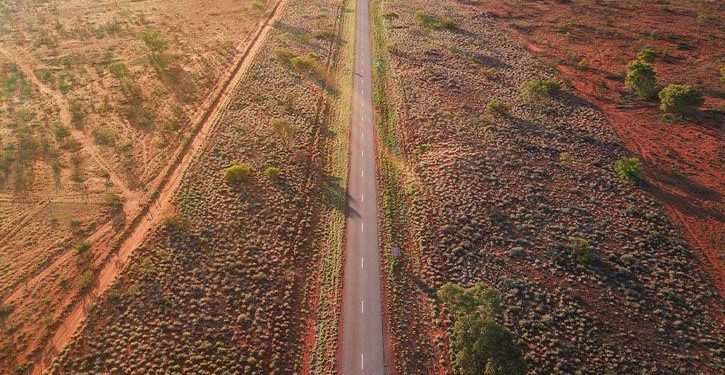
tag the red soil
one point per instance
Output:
(684, 162)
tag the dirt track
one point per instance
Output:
(160, 203)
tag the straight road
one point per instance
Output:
(362, 335)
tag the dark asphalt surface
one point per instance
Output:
(362, 336)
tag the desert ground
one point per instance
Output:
(176, 192)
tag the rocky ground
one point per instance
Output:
(494, 199)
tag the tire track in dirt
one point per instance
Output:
(160, 202)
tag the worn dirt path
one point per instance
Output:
(162, 205)
(362, 335)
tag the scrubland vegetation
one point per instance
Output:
(96, 99)
(236, 280)
(495, 172)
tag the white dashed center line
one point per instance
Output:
(362, 262)
(362, 227)
(362, 307)
(362, 361)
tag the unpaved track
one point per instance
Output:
(362, 335)
(152, 214)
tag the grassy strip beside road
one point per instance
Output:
(323, 359)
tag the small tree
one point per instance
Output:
(237, 174)
(114, 202)
(682, 99)
(480, 344)
(629, 169)
(641, 79)
(646, 55)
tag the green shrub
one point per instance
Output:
(104, 137)
(83, 248)
(324, 35)
(433, 22)
(284, 129)
(498, 107)
(237, 173)
(272, 172)
(583, 251)
(76, 112)
(681, 99)
(583, 64)
(722, 75)
(646, 55)
(154, 41)
(629, 169)
(480, 345)
(565, 159)
(86, 281)
(641, 79)
(304, 63)
(283, 55)
(176, 223)
(539, 90)
(118, 69)
(114, 202)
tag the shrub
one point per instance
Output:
(86, 281)
(83, 248)
(629, 169)
(641, 79)
(565, 159)
(272, 172)
(5, 311)
(497, 107)
(237, 173)
(681, 99)
(722, 75)
(480, 345)
(538, 90)
(154, 41)
(646, 55)
(283, 128)
(583, 64)
(283, 55)
(176, 223)
(433, 22)
(104, 137)
(304, 63)
(114, 202)
(118, 69)
(582, 250)
(324, 35)
(74, 106)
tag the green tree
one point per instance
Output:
(641, 79)
(480, 344)
(646, 55)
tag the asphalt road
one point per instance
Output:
(362, 335)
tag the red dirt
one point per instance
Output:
(158, 208)
(684, 162)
